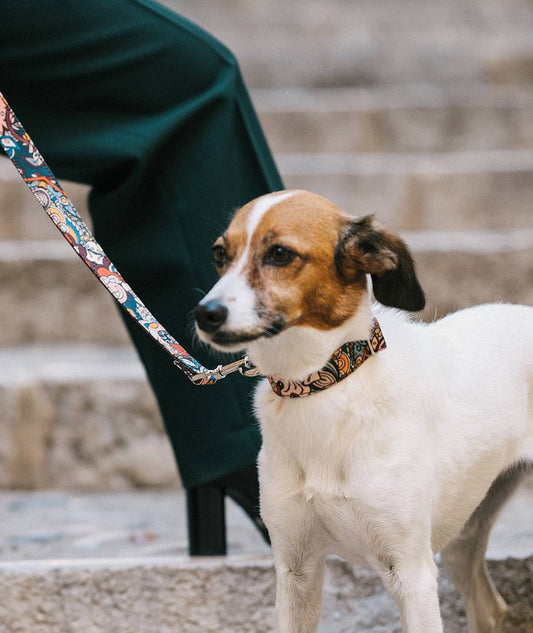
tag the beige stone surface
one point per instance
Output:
(508, 64)
(455, 280)
(20, 213)
(427, 118)
(55, 300)
(215, 595)
(460, 190)
(103, 429)
(348, 42)
(59, 300)
(448, 191)
(108, 562)
(87, 432)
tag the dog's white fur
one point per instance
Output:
(388, 466)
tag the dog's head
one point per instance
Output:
(293, 258)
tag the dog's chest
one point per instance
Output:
(329, 460)
(324, 437)
(317, 434)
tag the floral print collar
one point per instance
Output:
(342, 363)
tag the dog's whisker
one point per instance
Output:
(200, 292)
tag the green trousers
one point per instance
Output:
(152, 113)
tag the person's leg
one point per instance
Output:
(152, 112)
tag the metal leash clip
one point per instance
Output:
(243, 365)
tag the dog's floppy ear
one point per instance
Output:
(364, 247)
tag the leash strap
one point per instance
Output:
(41, 181)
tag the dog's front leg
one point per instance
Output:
(299, 577)
(414, 587)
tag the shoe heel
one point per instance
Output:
(206, 521)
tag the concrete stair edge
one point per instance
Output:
(418, 95)
(223, 595)
(468, 240)
(345, 163)
(456, 268)
(454, 190)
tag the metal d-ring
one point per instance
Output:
(243, 366)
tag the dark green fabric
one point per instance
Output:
(152, 112)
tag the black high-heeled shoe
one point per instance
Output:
(206, 517)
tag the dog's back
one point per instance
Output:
(493, 345)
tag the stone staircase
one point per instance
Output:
(111, 562)
(419, 112)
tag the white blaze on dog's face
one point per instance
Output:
(289, 259)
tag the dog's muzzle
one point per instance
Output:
(214, 326)
(210, 316)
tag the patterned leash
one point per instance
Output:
(53, 199)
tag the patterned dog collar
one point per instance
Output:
(342, 363)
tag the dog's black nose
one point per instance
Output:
(210, 316)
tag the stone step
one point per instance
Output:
(83, 561)
(427, 118)
(21, 217)
(345, 43)
(220, 595)
(117, 439)
(362, 59)
(478, 17)
(48, 295)
(43, 385)
(148, 523)
(450, 191)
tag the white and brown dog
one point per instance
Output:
(412, 450)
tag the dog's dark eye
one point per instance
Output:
(279, 255)
(220, 254)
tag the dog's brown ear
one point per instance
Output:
(366, 248)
